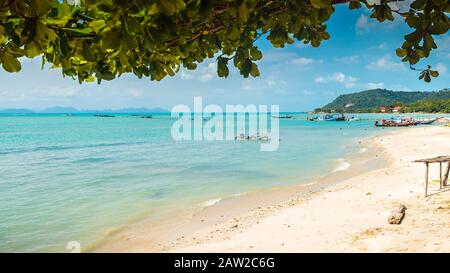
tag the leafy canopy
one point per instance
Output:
(104, 39)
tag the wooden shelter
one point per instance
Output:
(443, 181)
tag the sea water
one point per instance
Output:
(79, 178)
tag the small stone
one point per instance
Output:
(397, 215)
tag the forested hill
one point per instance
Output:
(375, 98)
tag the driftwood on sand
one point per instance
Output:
(397, 215)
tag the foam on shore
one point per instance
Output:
(210, 202)
(343, 165)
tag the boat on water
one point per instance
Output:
(329, 117)
(396, 122)
(261, 138)
(104, 116)
(353, 118)
(404, 122)
(284, 117)
(426, 121)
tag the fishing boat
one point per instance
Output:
(284, 117)
(329, 117)
(396, 122)
(104, 116)
(426, 121)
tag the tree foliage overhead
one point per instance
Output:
(104, 39)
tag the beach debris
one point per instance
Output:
(397, 215)
(369, 193)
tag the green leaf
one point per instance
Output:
(222, 67)
(97, 25)
(246, 68)
(321, 4)
(401, 52)
(434, 73)
(439, 27)
(170, 7)
(419, 4)
(255, 53)
(429, 42)
(254, 71)
(10, 63)
(354, 5)
(40, 7)
(243, 12)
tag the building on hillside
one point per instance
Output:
(396, 109)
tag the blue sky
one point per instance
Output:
(360, 55)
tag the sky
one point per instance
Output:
(360, 55)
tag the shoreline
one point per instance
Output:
(351, 216)
(194, 225)
(342, 211)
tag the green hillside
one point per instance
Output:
(368, 101)
(428, 106)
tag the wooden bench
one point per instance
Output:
(443, 181)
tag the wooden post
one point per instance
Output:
(426, 180)
(446, 174)
(441, 182)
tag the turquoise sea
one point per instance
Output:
(75, 178)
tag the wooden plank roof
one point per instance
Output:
(434, 159)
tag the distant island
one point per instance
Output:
(382, 100)
(71, 110)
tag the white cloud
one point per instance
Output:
(382, 45)
(363, 24)
(320, 79)
(271, 82)
(441, 68)
(304, 61)
(348, 59)
(186, 75)
(385, 63)
(206, 77)
(277, 56)
(372, 85)
(339, 77)
(59, 91)
(208, 72)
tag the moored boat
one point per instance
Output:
(329, 117)
(283, 116)
(396, 122)
(426, 121)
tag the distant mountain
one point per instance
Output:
(71, 110)
(375, 98)
(16, 111)
(60, 110)
(139, 110)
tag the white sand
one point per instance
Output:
(351, 216)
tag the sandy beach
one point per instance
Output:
(346, 212)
